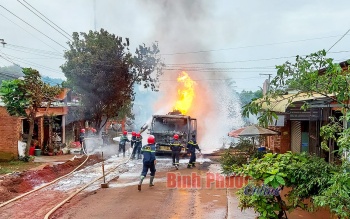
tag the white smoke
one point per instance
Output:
(183, 26)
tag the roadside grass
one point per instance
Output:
(16, 166)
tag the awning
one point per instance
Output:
(281, 103)
(251, 131)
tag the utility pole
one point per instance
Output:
(268, 75)
(268, 85)
(2, 41)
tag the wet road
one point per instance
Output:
(169, 198)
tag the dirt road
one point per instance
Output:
(183, 193)
(165, 200)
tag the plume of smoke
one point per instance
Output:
(183, 26)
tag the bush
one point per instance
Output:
(231, 159)
(307, 176)
(337, 195)
(237, 155)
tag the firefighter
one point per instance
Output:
(133, 141)
(176, 149)
(82, 142)
(138, 144)
(191, 147)
(122, 143)
(149, 161)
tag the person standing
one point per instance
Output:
(133, 141)
(149, 161)
(176, 149)
(191, 147)
(122, 143)
(138, 144)
(82, 142)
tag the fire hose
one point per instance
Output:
(43, 186)
(81, 189)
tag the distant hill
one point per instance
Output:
(10, 72)
(13, 72)
(52, 81)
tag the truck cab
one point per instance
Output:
(164, 127)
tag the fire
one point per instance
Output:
(185, 93)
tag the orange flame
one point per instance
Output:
(185, 93)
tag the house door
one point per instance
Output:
(295, 136)
(305, 136)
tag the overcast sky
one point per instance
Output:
(218, 39)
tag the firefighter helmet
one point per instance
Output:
(138, 134)
(176, 136)
(151, 139)
(125, 133)
(133, 133)
(82, 130)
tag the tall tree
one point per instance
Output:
(247, 96)
(100, 67)
(25, 97)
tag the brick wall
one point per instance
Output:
(280, 143)
(10, 128)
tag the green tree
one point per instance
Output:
(247, 96)
(100, 67)
(313, 74)
(25, 97)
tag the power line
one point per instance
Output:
(339, 40)
(38, 54)
(221, 71)
(229, 62)
(8, 75)
(48, 19)
(47, 52)
(9, 60)
(28, 32)
(11, 76)
(33, 27)
(44, 20)
(244, 47)
(214, 79)
(32, 63)
(222, 68)
(240, 61)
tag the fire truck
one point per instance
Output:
(164, 127)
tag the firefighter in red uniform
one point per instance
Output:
(149, 161)
(176, 149)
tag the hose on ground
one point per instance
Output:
(81, 189)
(43, 186)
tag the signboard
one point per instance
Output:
(279, 122)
